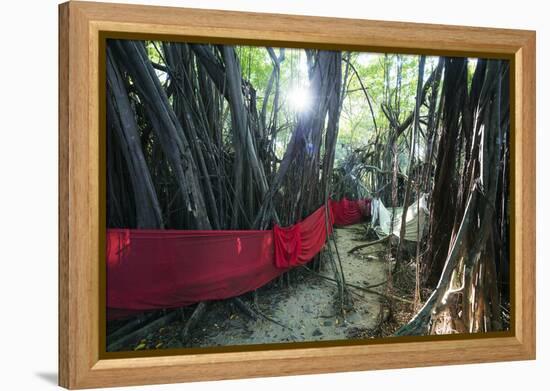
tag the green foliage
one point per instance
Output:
(256, 65)
(153, 51)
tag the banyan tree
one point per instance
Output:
(224, 138)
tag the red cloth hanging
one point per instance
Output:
(364, 207)
(288, 243)
(167, 268)
(314, 234)
(298, 244)
(154, 269)
(348, 212)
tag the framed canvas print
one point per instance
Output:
(255, 195)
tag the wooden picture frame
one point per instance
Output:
(82, 27)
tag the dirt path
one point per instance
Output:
(307, 308)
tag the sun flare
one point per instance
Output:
(299, 98)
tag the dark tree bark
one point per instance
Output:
(166, 126)
(466, 298)
(443, 201)
(122, 118)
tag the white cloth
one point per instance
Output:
(381, 219)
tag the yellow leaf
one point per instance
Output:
(158, 345)
(140, 346)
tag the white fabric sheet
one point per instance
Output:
(381, 219)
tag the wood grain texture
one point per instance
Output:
(64, 352)
(80, 365)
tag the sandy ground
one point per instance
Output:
(309, 309)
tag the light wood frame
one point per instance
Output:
(81, 363)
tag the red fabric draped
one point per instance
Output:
(154, 269)
(288, 243)
(298, 244)
(348, 212)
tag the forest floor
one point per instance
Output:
(306, 309)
